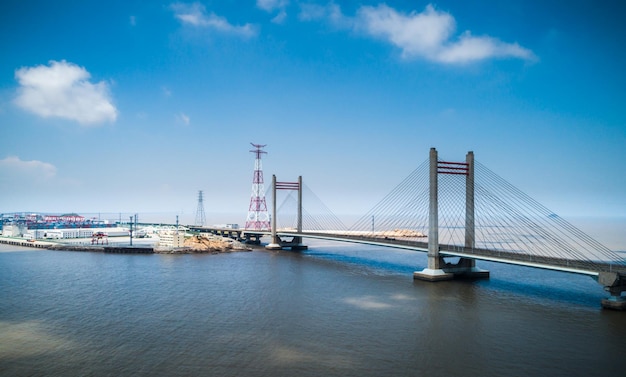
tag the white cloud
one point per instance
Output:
(428, 35)
(63, 90)
(196, 15)
(13, 167)
(416, 34)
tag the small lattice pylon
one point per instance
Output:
(200, 218)
(258, 217)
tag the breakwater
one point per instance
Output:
(113, 249)
(105, 249)
(24, 243)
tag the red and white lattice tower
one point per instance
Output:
(258, 217)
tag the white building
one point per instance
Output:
(65, 233)
(13, 230)
(171, 239)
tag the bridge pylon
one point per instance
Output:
(277, 242)
(438, 269)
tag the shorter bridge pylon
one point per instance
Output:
(438, 269)
(296, 241)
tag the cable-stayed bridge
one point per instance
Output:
(456, 212)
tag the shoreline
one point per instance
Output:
(142, 247)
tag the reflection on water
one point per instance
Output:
(29, 339)
(335, 309)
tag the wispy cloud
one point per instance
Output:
(470, 48)
(280, 17)
(330, 12)
(271, 6)
(429, 34)
(196, 15)
(28, 181)
(14, 167)
(63, 90)
(184, 118)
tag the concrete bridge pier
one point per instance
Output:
(615, 284)
(438, 269)
(279, 243)
(252, 238)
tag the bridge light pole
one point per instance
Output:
(130, 232)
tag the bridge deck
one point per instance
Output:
(501, 256)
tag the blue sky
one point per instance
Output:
(133, 106)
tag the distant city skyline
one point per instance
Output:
(134, 106)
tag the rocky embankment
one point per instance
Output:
(202, 244)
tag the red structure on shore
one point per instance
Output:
(100, 238)
(258, 217)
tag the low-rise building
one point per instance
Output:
(171, 239)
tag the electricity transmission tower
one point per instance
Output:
(200, 218)
(258, 217)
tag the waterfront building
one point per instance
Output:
(171, 238)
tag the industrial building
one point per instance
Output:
(46, 226)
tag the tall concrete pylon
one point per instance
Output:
(296, 242)
(437, 268)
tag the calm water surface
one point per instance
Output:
(334, 310)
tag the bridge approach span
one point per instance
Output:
(520, 259)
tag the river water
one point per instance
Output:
(334, 310)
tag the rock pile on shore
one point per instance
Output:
(200, 244)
